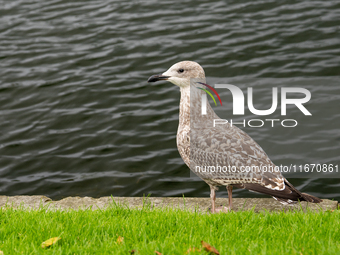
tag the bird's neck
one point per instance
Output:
(191, 108)
(184, 108)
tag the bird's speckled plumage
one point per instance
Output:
(201, 144)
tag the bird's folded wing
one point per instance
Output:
(232, 157)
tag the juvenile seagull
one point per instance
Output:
(201, 144)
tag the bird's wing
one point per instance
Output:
(237, 158)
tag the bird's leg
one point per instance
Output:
(213, 198)
(230, 196)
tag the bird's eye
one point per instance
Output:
(181, 70)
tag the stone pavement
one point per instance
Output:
(191, 203)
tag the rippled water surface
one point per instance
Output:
(78, 117)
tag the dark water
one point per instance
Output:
(78, 117)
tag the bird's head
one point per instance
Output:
(181, 73)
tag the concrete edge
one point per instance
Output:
(190, 203)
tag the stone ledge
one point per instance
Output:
(191, 203)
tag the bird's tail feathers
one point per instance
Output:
(303, 196)
(310, 198)
(288, 196)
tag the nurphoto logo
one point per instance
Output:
(238, 104)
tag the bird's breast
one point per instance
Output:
(183, 143)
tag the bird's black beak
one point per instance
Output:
(158, 77)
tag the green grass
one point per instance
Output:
(168, 231)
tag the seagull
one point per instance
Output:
(202, 145)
